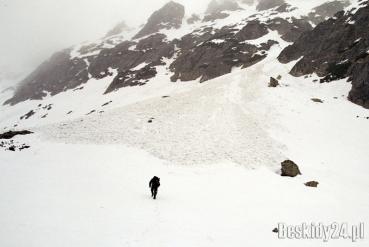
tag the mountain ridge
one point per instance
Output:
(206, 51)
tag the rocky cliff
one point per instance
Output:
(336, 49)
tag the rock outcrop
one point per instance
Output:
(216, 52)
(169, 16)
(336, 49)
(327, 10)
(56, 75)
(11, 134)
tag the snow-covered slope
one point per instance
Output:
(217, 146)
(68, 189)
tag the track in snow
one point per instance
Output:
(211, 123)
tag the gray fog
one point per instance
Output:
(31, 30)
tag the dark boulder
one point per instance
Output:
(290, 169)
(316, 100)
(273, 82)
(312, 184)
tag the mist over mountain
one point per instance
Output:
(251, 113)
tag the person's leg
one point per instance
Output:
(155, 192)
(152, 192)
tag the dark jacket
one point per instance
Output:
(154, 182)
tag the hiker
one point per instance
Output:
(154, 185)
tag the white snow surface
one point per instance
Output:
(216, 146)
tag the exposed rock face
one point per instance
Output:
(212, 55)
(204, 54)
(290, 169)
(169, 16)
(335, 49)
(56, 75)
(327, 10)
(253, 30)
(216, 7)
(291, 30)
(269, 4)
(124, 58)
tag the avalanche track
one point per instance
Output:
(217, 121)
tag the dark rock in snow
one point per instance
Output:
(312, 184)
(169, 16)
(107, 103)
(273, 82)
(28, 115)
(93, 111)
(317, 100)
(290, 169)
(11, 134)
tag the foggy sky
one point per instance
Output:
(31, 30)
